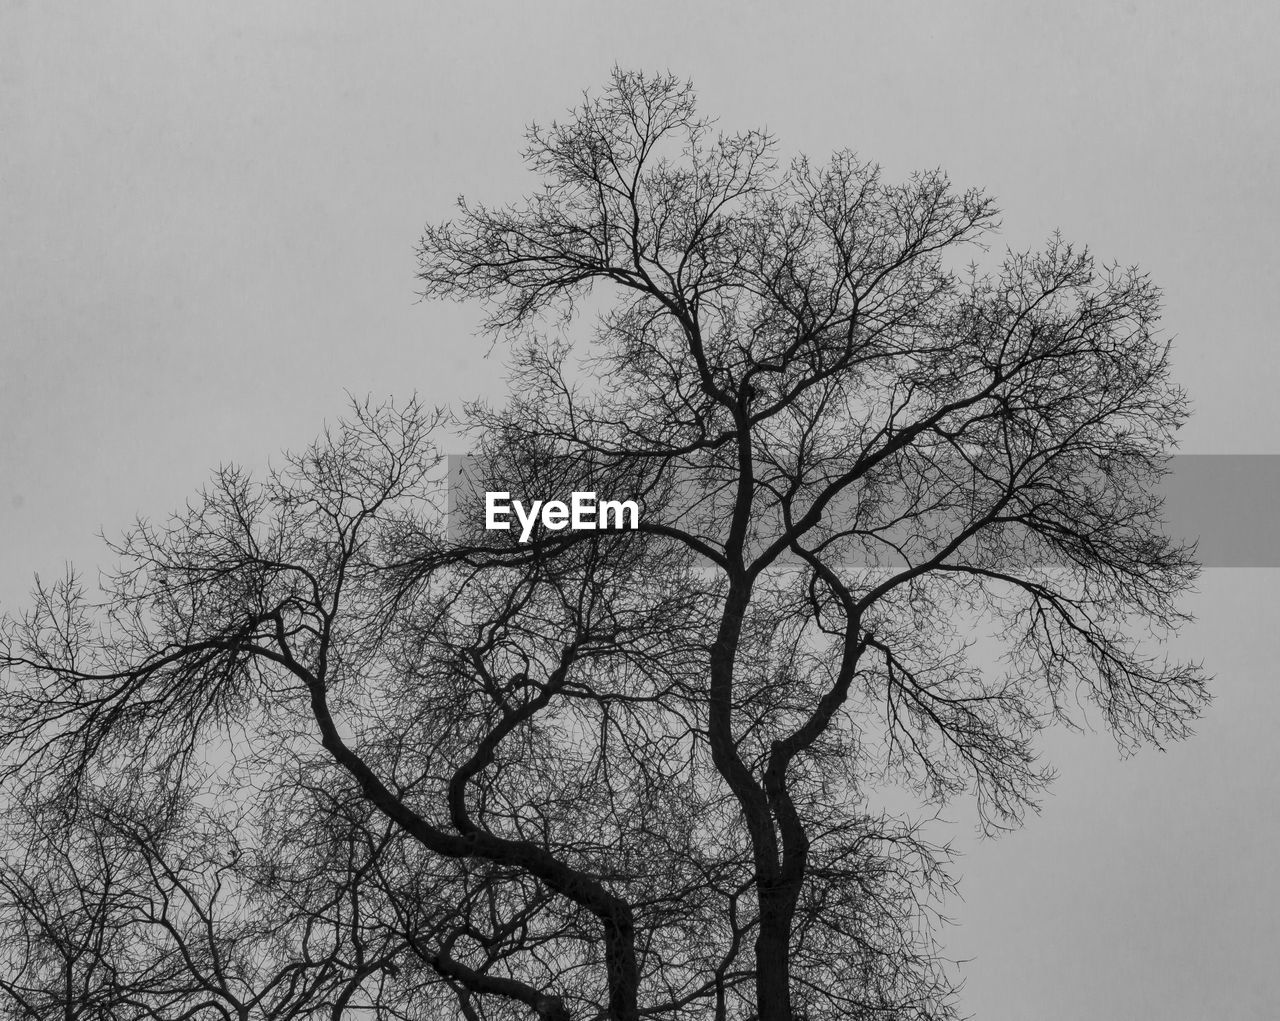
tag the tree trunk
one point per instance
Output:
(773, 957)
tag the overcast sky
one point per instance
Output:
(207, 221)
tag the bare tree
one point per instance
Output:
(622, 773)
(797, 345)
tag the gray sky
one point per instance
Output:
(207, 220)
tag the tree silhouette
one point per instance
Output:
(312, 752)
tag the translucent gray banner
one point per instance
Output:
(1226, 502)
(1229, 502)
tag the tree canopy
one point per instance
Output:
(324, 745)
